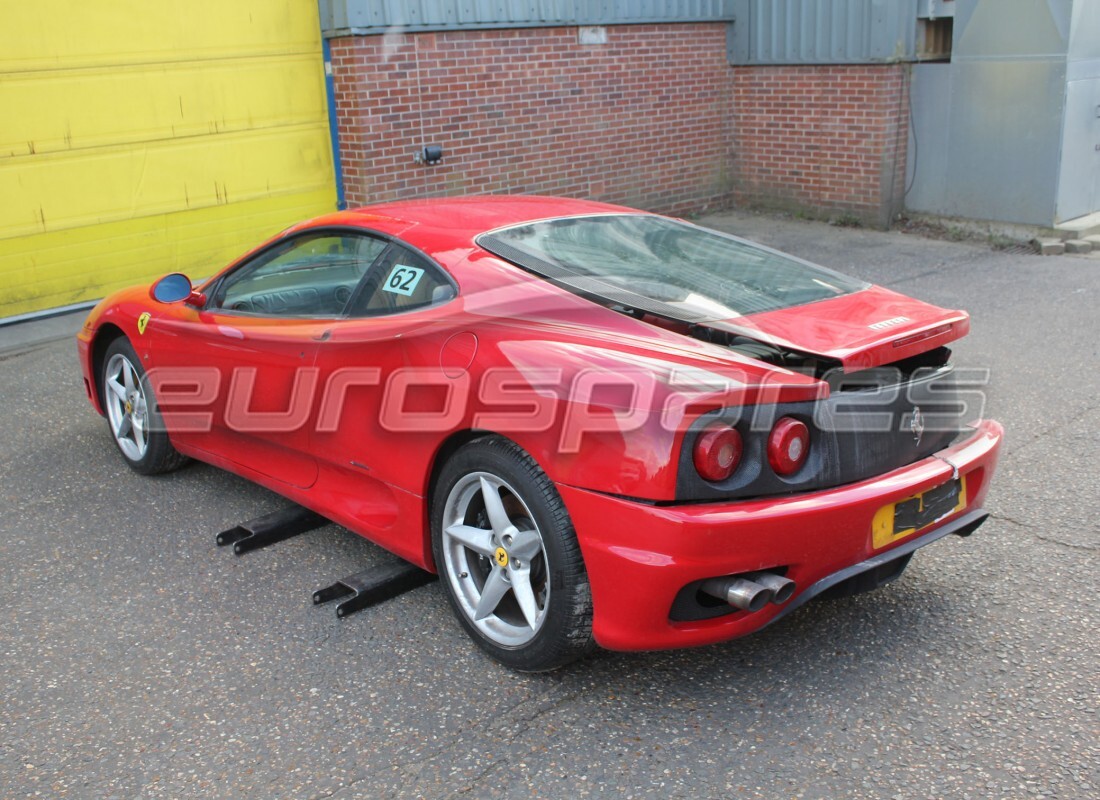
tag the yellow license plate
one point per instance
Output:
(906, 517)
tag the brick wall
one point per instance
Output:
(655, 118)
(825, 139)
(643, 120)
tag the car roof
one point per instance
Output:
(442, 224)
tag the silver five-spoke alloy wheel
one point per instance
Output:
(495, 559)
(127, 408)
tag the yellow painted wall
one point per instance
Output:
(144, 137)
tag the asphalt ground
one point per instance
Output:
(139, 660)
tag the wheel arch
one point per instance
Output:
(104, 337)
(454, 442)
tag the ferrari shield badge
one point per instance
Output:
(143, 320)
(916, 424)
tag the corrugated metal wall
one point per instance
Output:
(341, 17)
(823, 31)
(139, 139)
(1079, 180)
(766, 31)
(987, 127)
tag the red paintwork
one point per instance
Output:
(838, 327)
(375, 481)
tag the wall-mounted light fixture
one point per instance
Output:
(429, 154)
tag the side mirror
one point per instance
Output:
(176, 287)
(172, 288)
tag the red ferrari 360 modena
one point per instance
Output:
(598, 425)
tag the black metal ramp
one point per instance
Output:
(373, 586)
(270, 528)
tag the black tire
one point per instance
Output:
(558, 583)
(144, 444)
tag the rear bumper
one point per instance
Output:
(640, 556)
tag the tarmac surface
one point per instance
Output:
(139, 660)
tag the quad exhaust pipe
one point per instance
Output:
(752, 590)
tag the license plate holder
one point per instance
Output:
(907, 516)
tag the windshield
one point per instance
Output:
(665, 267)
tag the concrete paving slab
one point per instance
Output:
(1050, 247)
(1087, 225)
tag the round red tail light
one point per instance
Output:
(717, 452)
(788, 446)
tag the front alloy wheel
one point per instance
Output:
(509, 559)
(127, 407)
(132, 413)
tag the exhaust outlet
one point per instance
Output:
(739, 592)
(782, 588)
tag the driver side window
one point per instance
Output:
(308, 276)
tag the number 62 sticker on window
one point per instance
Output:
(403, 280)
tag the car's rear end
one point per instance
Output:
(765, 519)
(774, 502)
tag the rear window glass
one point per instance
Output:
(664, 266)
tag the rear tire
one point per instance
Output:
(508, 557)
(132, 415)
